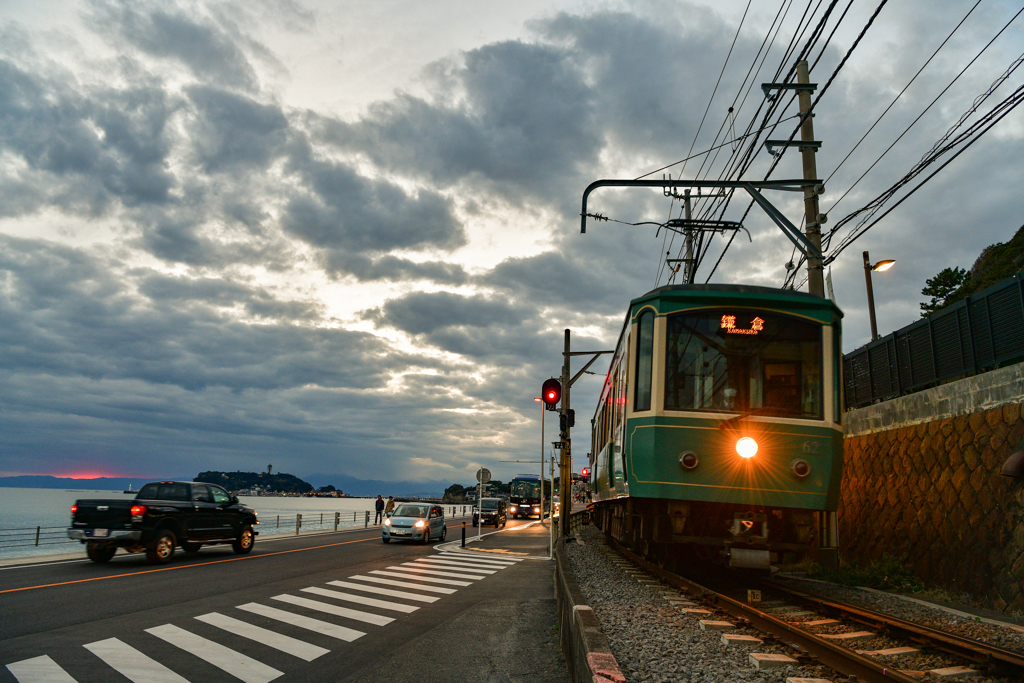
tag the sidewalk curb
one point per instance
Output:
(584, 645)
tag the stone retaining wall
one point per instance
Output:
(931, 489)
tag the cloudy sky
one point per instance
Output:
(343, 237)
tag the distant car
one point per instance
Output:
(415, 522)
(495, 512)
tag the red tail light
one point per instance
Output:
(74, 509)
(138, 510)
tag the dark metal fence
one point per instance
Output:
(973, 335)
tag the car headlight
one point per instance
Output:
(420, 524)
(387, 522)
(536, 509)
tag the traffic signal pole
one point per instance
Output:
(566, 421)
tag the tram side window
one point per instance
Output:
(644, 360)
(743, 360)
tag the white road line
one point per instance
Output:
(413, 577)
(366, 617)
(384, 591)
(238, 665)
(404, 584)
(477, 558)
(419, 569)
(482, 556)
(362, 600)
(39, 670)
(278, 641)
(446, 564)
(131, 663)
(308, 623)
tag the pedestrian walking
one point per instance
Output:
(389, 507)
(379, 505)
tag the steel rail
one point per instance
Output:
(973, 650)
(846, 662)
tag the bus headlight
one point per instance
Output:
(746, 447)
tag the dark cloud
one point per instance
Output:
(208, 51)
(516, 117)
(83, 148)
(345, 212)
(233, 130)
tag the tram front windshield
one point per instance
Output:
(741, 360)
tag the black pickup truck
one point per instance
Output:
(163, 515)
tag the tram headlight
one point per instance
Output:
(746, 447)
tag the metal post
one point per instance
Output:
(815, 268)
(688, 275)
(463, 534)
(37, 536)
(337, 518)
(367, 525)
(298, 523)
(563, 486)
(543, 409)
(279, 521)
(871, 297)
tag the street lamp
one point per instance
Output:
(881, 266)
(551, 538)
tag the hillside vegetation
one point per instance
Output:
(238, 481)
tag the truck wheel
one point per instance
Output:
(191, 547)
(162, 549)
(99, 552)
(245, 540)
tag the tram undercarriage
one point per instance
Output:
(673, 533)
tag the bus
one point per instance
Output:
(524, 499)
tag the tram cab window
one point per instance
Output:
(740, 360)
(644, 360)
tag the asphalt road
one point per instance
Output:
(276, 615)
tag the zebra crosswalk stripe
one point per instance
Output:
(131, 663)
(384, 591)
(238, 665)
(419, 569)
(308, 623)
(404, 584)
(278, 641)
(337, 611)
(445, 564)
(39, 670)
(409, 576)
(361, 600)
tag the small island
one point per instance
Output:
(265, 484)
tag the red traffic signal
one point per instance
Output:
(585, 473)
(551, 392)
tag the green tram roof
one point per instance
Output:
(666, 299)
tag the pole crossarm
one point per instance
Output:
(597, 354)
(753, 188)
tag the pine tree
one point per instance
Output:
(942, 287)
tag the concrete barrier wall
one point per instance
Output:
(584, 644)
(922, 480)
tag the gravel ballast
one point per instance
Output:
(657, 641)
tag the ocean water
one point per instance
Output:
(23, 510)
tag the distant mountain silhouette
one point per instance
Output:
(39, 481)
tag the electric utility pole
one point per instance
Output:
(815, 268)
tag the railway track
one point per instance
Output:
(858, 643)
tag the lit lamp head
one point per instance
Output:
(883, 266)
(746, 447)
